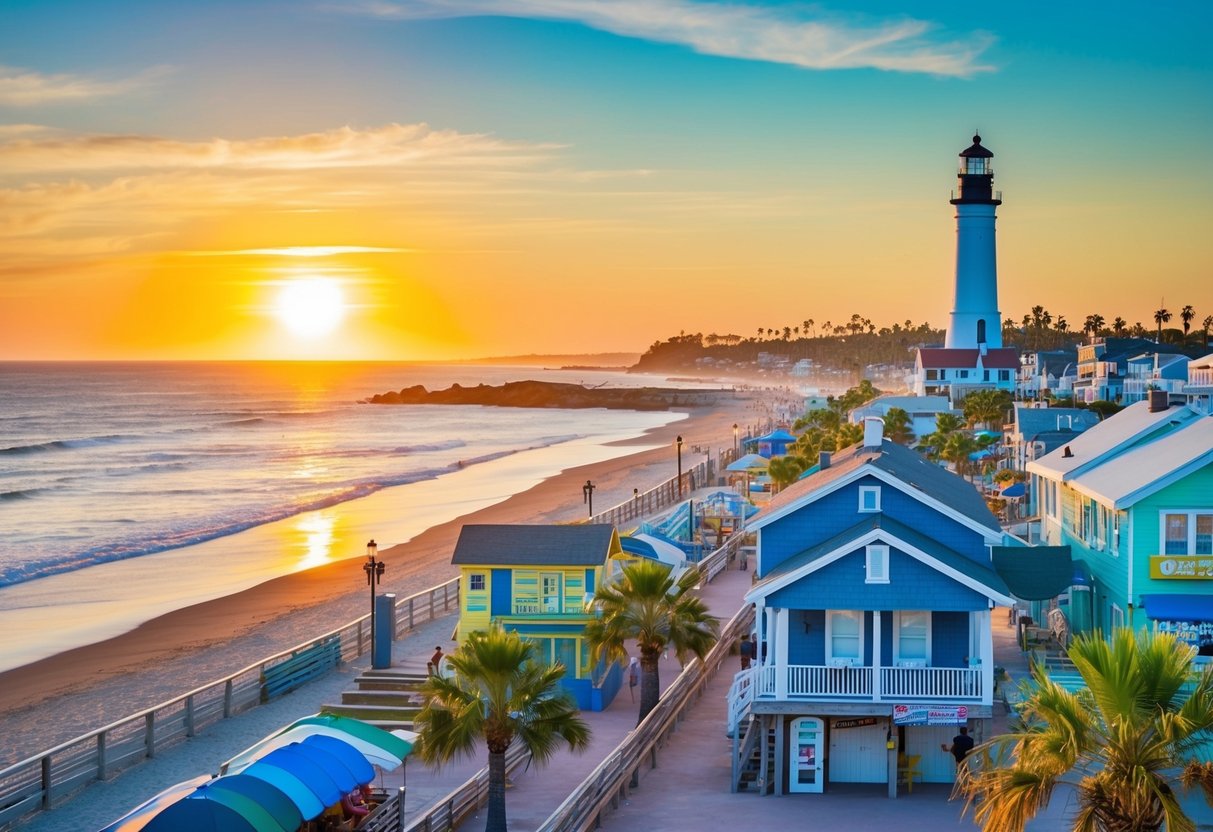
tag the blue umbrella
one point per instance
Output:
(1013, 491)
(310, 804)
(269, 797)
(349, 756)
(217, 810)
(311, 769)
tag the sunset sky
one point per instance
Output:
(436, 179)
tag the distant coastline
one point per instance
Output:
(550, 394)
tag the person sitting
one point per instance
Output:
(354, 808)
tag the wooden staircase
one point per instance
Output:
(749, 777)
(388, 698)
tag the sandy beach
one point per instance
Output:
(61, 697)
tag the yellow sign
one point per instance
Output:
(1190, 567)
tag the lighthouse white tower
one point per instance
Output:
(975, 322)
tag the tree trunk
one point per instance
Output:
(650, 682)
(496, 809)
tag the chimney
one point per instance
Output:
(873, 432)
(823, 461)
(1159, 400)
(1067, 453)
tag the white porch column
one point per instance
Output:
(781, 653)
(877, 692)
(759, 628)
(987, 657)
(768, 637)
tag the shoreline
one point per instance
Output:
(192, 646)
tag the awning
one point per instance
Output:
(1034, 573)
(1013, 491)
(1179, 607)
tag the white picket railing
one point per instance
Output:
(921, 683)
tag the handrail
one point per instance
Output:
(38, 782)
(582, 809)
(660, 496)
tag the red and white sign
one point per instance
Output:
(930, 714)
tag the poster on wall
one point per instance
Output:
(930, 714)
(1198, 634)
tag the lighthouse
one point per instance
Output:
(975, 322)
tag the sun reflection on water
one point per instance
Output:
(317, 529)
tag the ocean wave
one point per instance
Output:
(68, 444)
(23, 494)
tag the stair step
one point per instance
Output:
(383, 698)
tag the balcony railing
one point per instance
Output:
(895, 683)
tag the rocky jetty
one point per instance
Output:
(552, 394)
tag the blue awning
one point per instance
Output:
(1015, 490)
(1179, 607)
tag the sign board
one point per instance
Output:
(1198, 634)
(1181, 567)
(930, 714)
(856, 722)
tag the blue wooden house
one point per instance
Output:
(873, 598)
(538, 582)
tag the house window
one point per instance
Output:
(1187, 533)
(962, 373)
(878, 564)
(912, 638)
(932, 375)
(1004, 375)
(985, 375)
(476, 583)
(844, 637)
(869, 498)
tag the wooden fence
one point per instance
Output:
(50, 777)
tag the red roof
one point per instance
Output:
(1005, 358)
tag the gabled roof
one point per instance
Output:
(1201, 363)
(1033, 421)
(896, 465)
(1141, 471)
(1002, 358)
(1093, 446)
(546, 545)
(976, 576)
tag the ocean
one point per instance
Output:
(128, 490)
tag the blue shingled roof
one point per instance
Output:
(488, 545)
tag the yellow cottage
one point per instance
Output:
(538, 581)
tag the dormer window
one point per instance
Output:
(869, 498)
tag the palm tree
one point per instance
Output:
(1205, 326)
(1119, 325)
(784, 470)
(986, 406)
(1186, 315)
(1161, 316)
(898, 426)
(498, 692)
(646, 604)
(1123, 742)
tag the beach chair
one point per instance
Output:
(907, 770)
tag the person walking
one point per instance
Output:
(435, 661)
(961, 745)
(747, 653)
(633, 676)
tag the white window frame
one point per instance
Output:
(841, 661)
(864, 491)
(876, 563)
(897, 618)
(1192, 514)
(544, 597)
(471, 581)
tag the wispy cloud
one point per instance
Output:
(27, 88)
(344, 147)
(791, 34)
(302, 251)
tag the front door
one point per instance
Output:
(808, 734)
(858, 754)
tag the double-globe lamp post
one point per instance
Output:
(374, 572)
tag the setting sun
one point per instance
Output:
(310, 307)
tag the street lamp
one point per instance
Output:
(735, 450)
(679, 443)
(587, 495)
(374, 572)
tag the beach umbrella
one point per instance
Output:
(749, 462)
(373, 753)
(138, 817)
(398, 744)
(309, 801)
(218, 812)
(349, 756)
(278, 803)
(1014, 491)
(311, 769)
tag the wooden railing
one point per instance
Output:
(46, 779)
(655, 499)
(920, 683)
(821, 681)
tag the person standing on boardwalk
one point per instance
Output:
(962, 744)
(435, 661)
(633, 676)
(747, 653)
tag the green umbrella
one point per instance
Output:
(386, 740)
